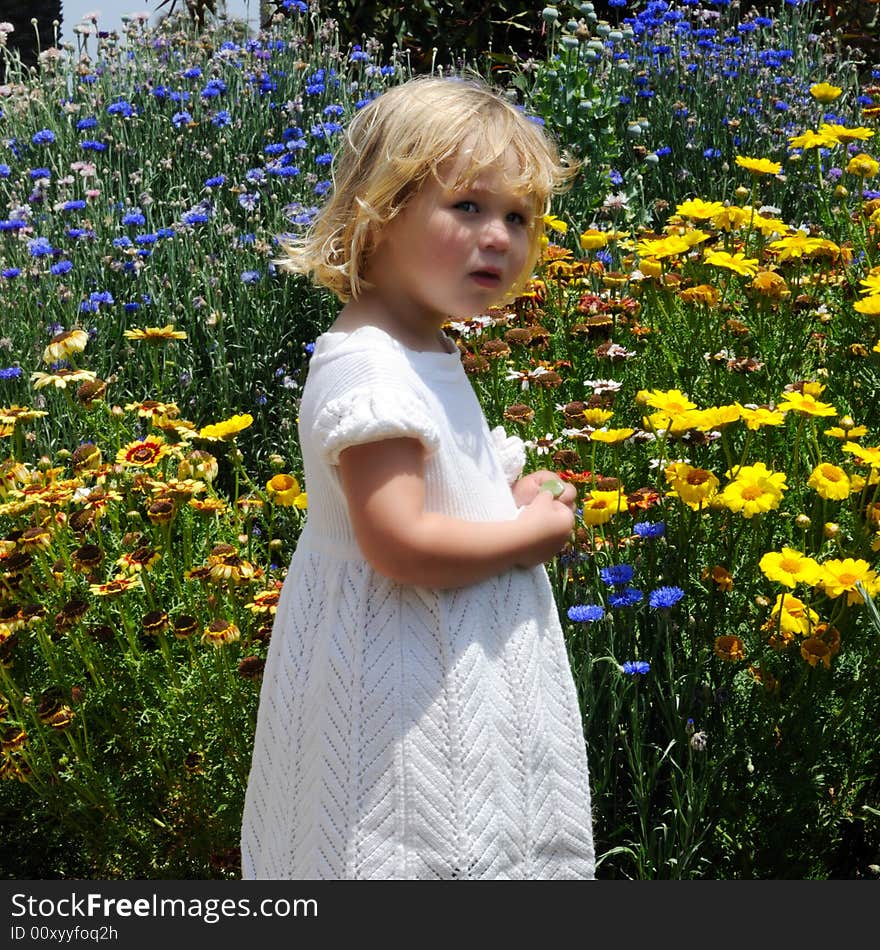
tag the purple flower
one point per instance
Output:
(585, 613)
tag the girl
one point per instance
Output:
(418, 716)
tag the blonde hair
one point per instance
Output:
(393, 144)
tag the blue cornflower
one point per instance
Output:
(122, 241)
(92, 145)
(635, 668)
(215, 181)
(248, 201)
(325, 158)
(625, 597)
(585, 613)
(146, 238)
(62, 267)
(615, 176)
(649, 529)
(663, 150)
(192, 73)
(181, 118)
(296, 5)
(711, 153)
(322, 187)
(358, 55)
(43, 137)
(11, 372)
(40, 247)
(40, 173)
(250, 276)
(135, 216)
(325, 129)
(617, 575)
(194, 217)
(5, 171)
(12, 224)
(75, 205)
(96, 298)
(10, 272)
(122, 108)
(665, 597)
(89, 122)
(221, 118)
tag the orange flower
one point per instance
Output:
(730, 648)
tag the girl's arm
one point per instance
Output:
(384, 486)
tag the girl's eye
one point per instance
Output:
(469, 206)
(516, 217)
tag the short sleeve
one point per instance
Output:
(370, 415)
(511, 451)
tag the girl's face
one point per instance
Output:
(452, 252)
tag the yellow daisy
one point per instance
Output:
(789, 567)
(759, 166)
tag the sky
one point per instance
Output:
(110, 12)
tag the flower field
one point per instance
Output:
(698, 352)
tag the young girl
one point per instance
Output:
(418, 716)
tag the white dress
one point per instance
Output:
(403, 732)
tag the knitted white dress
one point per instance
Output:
(402, 732)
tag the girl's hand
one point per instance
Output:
(549, 522)
(525, 490)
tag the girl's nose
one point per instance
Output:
(495, 234)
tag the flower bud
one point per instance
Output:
(831, 529)
(803, 522)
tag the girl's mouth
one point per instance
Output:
(486, 278)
